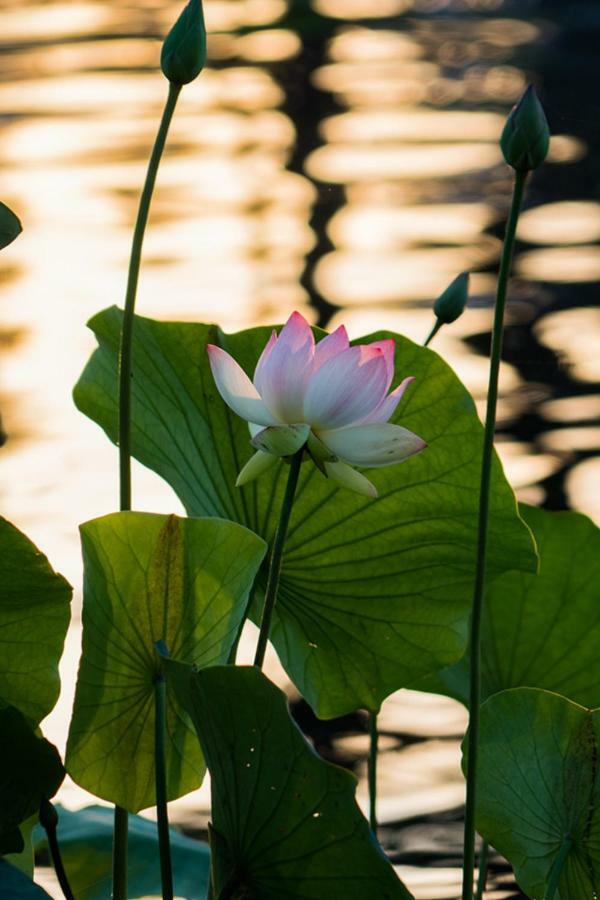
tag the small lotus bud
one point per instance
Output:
(184, 51)
(10, 227)
(450, 305)
(526, 136)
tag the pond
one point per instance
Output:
(330, 161)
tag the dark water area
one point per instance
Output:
(339, 157)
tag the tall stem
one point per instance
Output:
(130, 295)
(484, 853)
(120, 822)
(49, 821)
(160, 725)
(557, 868)
(373, 742)
(436, 327)
(119, 855)
(277, 558)
(482, 533)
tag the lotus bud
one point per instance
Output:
(526, 136)
(184, 50)
(10, 226)
(451, 304)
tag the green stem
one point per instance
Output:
(160, 728)
(373, 742)
(559, 864)
(119, 861)
(436, 327)
(277, 558)
(130, 295)
(484, 853)
(125, 354)
(484, 498)
(49, 821)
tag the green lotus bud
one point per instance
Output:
(526, 136)
(450, 305)
(10, 227)
(184, 51)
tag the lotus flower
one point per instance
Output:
(330, 398)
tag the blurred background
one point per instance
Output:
(339, 157)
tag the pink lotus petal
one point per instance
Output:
(332, 345)
(388, 348)
(346, 388)
(387, 407)
(262, 361)
(373, 446)
(236, 389)
(286, 369)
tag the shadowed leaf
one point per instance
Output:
(285, 823)
(150, 578)
(34, 616)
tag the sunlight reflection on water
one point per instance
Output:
(395, 183)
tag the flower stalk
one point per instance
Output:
(49, 822)
(125, 351)
(557, 868)
(482, 534)
(277, 558)
(160, 728)
(484, 854)
(372, 771)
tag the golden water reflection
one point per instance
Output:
(362, 176)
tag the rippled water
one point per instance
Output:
(328, 160)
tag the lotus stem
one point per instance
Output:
(160, 728)
(119, 856)
(556, 870)
(436, 327)
(373, 751)
(125, 373)
(483, 869)
(482, 533)
(49, 821)
(130, 295)
(272, 588)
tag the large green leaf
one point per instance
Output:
(85, 839)
(15, 885)
(538, 784)
(542, 630)
(284, 822)
(34, 616)
(150, 578)
(30, 769)
(373, 593)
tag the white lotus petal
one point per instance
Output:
(286, 369)
(332, 345)
(255, 466)
(236, 389)
(387, 407)
(281, 440)
(262, 361)
(373, 446)
(346, 388)
(349, 478)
